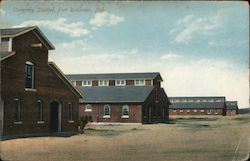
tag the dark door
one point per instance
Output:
(54, 115)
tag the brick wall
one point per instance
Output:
(116, 113)
(48, 87)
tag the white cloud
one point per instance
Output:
(2, 12)
(182, 77)
(207, 77)
(75, 29)
(105, 19)
(170, 56)
(189, 26)
(72, 44)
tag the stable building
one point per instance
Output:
(122, 97)
(232, 108)
(197, 106)
(36, 97)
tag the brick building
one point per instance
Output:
(122, 97)
(232, 108)
(197, 106)
(36, 97)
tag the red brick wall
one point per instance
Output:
(95, 83)
(198, 112)
(111, 82)
(129, 82)
(48, 87)
(231, 113)
(116, 113)
(148, 82)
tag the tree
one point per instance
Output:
(84, 120)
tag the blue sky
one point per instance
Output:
(200, 48)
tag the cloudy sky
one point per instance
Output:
(200, 48)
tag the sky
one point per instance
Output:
(199, 48)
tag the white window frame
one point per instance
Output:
(188, 110)
(88, 82)
(181, 110)
(195, 110)
(209, 111)
(141, 82)
(125, 116)
(118, 82)
(106, 116)
(10, 44)
(88, 109)
(74, 83)
(101, 83)
(201, 110)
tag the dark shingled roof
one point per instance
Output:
(114, 76)
(114, 94)
(14, 31)
(231, 105)
(197, 105)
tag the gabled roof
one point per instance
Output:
(114, 76)
(232, 105)
(14, 32)
(115, 94)
(5, 55)
(68, 83)
(197, 105)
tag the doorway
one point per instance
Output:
(55, 116)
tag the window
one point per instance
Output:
(188, 110)
(74, 83)
(78, 83)
(6, 44)
(195, 110)
(209, 111)
(216, 111)
(107, 111)
(103, 83)
(29, 75)
(17, 110)
(120, 82)
(87, 83)
(202, 110)
(139, 82)
(39, 110)
(181, 110)
(70, 111)
(88, 108)
(174, 110)
(125, 111)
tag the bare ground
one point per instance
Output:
(189, 139)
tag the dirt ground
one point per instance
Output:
(188, 139)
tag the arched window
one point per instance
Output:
(29, 75)
(106, 110)
(88, 108)
(125, 110)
